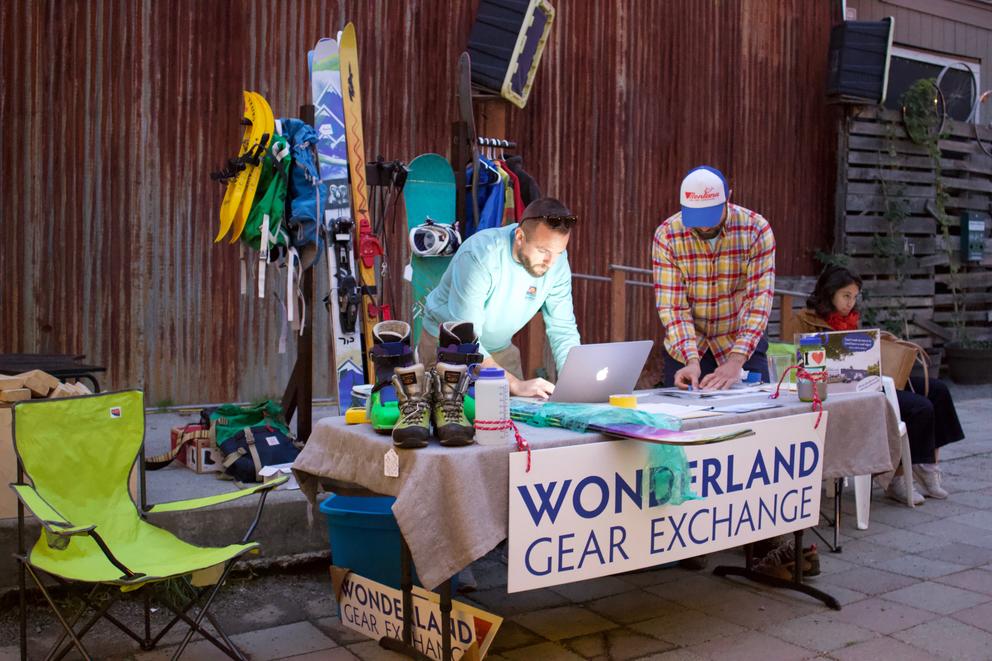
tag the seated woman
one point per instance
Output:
(931, 420)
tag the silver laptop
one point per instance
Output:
(593, 372)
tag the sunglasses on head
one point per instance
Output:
(555, 222)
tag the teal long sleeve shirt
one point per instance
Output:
(485, 285)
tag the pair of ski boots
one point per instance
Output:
(407, 399)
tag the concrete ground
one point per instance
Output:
(916, 585)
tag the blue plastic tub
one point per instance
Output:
(365, 537)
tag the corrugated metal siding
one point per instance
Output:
(631, 95)
(72, 247)
(120, 110)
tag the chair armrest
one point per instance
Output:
(52, 521)
(208, 501)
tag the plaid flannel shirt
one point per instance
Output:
(716, 298)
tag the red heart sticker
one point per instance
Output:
(817, 356)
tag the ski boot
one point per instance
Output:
(457, 344)
(448, 408)
(390, 350)
(414, 393)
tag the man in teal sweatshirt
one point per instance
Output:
(498, 280)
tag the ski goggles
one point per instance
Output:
(555, 222)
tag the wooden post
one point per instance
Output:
(618, 306)
(492, 124)
(787, 321)
(840, 188)
(535, 334)
(493, 116)
(298, 396)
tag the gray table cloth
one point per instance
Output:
(452, 503)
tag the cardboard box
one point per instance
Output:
(175, 438)
(8, 465)
(203, 456)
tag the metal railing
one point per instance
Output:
(618, 299)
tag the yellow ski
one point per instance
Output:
(236, 187)
(260, 141)
(367, 244)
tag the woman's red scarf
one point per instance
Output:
(840, 322)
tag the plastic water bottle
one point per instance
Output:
(492, 408)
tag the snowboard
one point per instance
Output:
(369, 248)
(467, 112)
(267, 127)
(429, 193)
(236, 187)
(332, 156)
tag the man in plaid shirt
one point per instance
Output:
(714, 278)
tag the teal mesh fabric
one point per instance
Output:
(579, 417)
(666, 472)
(666, 475)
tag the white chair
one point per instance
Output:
(862, 483)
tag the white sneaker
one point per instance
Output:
(897, 491)
(929, 477)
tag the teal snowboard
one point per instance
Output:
(429, 193)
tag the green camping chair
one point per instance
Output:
(74, 458)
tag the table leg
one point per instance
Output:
(406, 584)
(445, 592)
(405, 646)
(748, 572)
(838, 492)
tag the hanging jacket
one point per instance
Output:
(518, 203)
(529, 190)
(504, 176)
(491, 197)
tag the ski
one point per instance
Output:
(332, 152)
(467, 112)
(369, 248)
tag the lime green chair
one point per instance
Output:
(75, 457)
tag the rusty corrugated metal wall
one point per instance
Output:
(119, 109)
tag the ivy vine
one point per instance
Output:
(923, 118)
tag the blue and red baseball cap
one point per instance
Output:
(703, 195)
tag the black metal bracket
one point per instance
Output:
(405, 646)
(797, 584)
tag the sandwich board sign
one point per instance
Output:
(376, 610)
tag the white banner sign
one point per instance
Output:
(584, 511)
(376, 610)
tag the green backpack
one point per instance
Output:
(269, 207)
(251, 437)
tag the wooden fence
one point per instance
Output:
(887, 225)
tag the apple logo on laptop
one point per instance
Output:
(601, 374)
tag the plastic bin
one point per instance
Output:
(365, 538)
